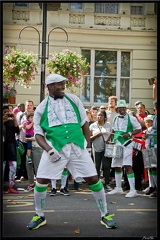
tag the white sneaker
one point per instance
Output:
(146, 190)
(132, 193)
(116, 190)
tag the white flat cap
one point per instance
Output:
(55, 78)
(149, 117)
(121, 103)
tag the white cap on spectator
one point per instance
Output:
(149, 117)
(55, 78)
(121, 103)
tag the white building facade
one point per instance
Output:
(118, 39)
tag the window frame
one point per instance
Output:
(118, 77)
(141, 12)
(102, 7)
(137, 4)
(23, 6)
(76, 9)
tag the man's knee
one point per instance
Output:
(91, 180)
(43, 180)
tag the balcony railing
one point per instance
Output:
(107, 20)
(21, 15)
(99, 20)
(137, 21)
(77, 18)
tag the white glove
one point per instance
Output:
(54, 155)
(89, 151)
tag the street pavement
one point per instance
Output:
(78, 216)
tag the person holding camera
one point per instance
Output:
(10, 127)
(155, 89)
(153, 81)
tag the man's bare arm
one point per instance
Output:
(42, 142)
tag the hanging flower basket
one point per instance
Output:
(19, 67)
(69, 64)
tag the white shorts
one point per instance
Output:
(79, 167)
(127, 156)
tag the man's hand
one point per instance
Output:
(89, 150)
(54, 155)
(126, 135)
(144, 136)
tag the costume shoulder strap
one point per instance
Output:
(115, 119)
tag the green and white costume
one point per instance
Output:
(120, 127)
(60, 123)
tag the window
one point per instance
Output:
(106, 8)
(125, 76)
(77, 7)
(137, 10)
(109, 75)
(24, 5)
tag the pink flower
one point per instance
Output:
(69, 64)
